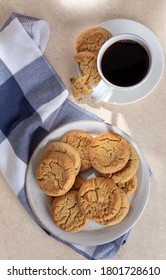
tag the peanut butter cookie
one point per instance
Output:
(130, 186)
(109, 152)
(92, 39)
(124, 209)
(88, 65)
(66, 213)
(68, 150)
(78, 183)
(99, 198)
(55, 174)
(129, 170)
(80, 140)
(50, 199)
(81, 86)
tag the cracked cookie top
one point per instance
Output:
(66, 213)
(92, 39)
(81, 86)
(68, 150)
(130, 186)
(129, 170)
(80, 140)
(88, 65)
(99, 198)
(55, 173)
(124, 209)
(109, 152)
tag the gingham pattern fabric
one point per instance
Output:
(33, 102)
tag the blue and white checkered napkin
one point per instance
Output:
(33, 101)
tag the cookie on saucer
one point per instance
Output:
(92, 39)
(81, 86)
(88, 66)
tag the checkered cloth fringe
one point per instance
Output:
(33, 102)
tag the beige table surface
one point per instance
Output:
(145, 121)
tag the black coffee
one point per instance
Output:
(125, 63)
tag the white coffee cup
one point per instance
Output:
(105, 88)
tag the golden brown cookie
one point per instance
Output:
(55, 174)
(81, 86)
(99, 198)
(130, 186)
(66, 213)
(92, 39)
(106, 175)
(124, 209)
(80, 140)
(50, 199)
(129, 170)
(109, 152)
(78, 183)
(88, 65)
(65, 149)
(76, 186)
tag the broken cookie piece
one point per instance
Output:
(88, 66)
(81, 86)
(88, 45)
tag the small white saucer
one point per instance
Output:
(118, 26)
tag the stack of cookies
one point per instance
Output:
(88, 45)
(74, 200)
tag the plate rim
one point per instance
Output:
(39, 220)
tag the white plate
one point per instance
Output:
(118, 26)
(93, 234)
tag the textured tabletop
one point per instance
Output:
(20, 237)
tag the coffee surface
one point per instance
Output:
(125, 63)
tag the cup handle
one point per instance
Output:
(101, 92)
